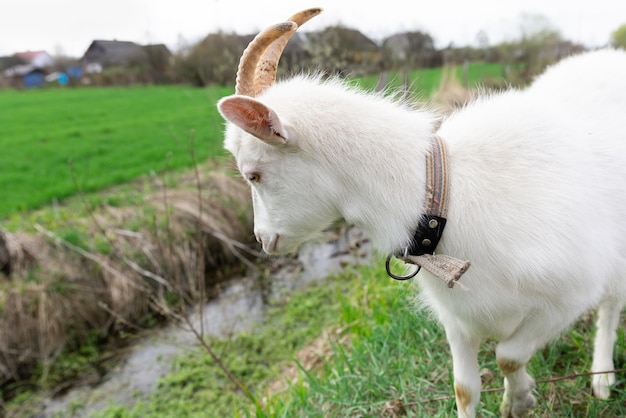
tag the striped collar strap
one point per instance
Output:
(430, 228)
(437, 179)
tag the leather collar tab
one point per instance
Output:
(427, 235)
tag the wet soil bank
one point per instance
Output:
(241, 305)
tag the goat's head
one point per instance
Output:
(289, 207)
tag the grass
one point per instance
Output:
(427, 81)
(114, 135)
(111, 136)
(197, 388)
(399, 365)
(389, 360)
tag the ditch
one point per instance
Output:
(241, 304)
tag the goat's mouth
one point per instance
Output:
(279, 245)
(270, 246)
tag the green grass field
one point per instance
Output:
(114, 135)
(111, 136)
(427, 81)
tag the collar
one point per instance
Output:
(433, 220)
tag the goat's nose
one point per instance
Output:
(258, 238)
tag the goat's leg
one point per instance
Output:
(512, 356)
(608, 320)
(466, 375)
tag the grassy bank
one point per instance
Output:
(355, 347)
(85, 280)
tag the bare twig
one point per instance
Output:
(102, 263)
(117, 316)
(127, 233)
(109, 241)
(130, 263)
(199, 334)
(233, 246)
(199, 241)
(220, 364)
(90, 212)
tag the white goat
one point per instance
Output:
(537, 193)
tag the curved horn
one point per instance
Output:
(259, 61)
(304, 16)
(245, 82)
(265, 74)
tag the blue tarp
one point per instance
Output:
(33, 79)
(75, 72)
(63, 79)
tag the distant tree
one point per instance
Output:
(62, 61)
(409, 50)
(337, 49)
(482, 39)
(539, 44)
(212, 60)
(618, 38)
(340, 49)
(482, 44)
(157, 63)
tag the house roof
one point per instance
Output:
(28, 56)
(9, 61)
(113, 52)
(22, 63)
(120, 52)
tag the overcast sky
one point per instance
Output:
(69, 26)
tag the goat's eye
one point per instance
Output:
(254, 177)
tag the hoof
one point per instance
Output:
(600, 385)
(517, 406)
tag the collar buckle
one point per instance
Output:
(427, 235)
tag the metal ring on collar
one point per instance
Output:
(396, 277)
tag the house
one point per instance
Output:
(103, 53)
(38, 59)
(113, 53)
(27, 69)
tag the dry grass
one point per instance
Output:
(58, 291)
(451, 94)
(309, 358)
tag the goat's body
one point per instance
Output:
(543, 233)
(537, 203)
(537, 199)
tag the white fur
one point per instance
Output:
(537, 200)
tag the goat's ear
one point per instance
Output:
(253, 117)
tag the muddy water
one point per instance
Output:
(240, 306)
